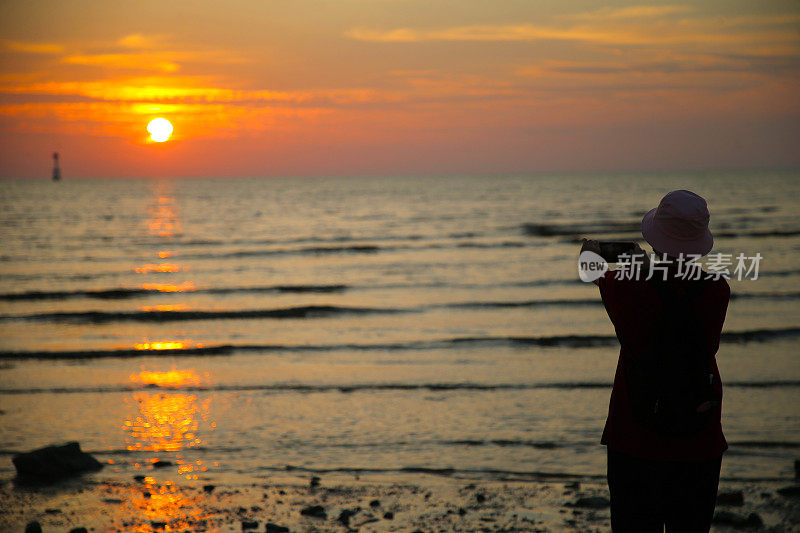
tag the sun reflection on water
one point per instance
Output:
(165, 224)
(177, 508)
(186, 286)
(167, 421)
(170, 378)
(159, 267)
(164, 307)
(164, 219)
(171, 419)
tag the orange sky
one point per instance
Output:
(338, 87)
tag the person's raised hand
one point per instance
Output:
(590, 245)
(641, 255)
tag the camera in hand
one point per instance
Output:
(612, 250)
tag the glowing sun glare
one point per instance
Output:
(160, 129)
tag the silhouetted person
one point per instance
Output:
(56, 169)
(663, 433)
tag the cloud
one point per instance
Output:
(33, 48)
(124, 61)
(674, 65)
(637, 25)
(522, 32)
(138, 40)
(131, 52)
(630, 35)
(630, 12)
(410, 88)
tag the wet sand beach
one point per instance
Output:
(321, 503)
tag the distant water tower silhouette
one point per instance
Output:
(56, 170)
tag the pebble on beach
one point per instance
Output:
(54, 462)
(316, 511)
(537, 506)
(346, 514)
(727, 518)
(790, 492)
(592, 502)
(734, 498)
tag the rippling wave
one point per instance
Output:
(568, 341)
(366, 387)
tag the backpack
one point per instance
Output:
(671, 383)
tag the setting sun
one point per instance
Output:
(160, 129)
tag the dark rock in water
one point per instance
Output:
(735, 498)
(375, 503)
(139, 478)
(54, 462)
(158, 525)
(388, 515)
(727, 518)
(209, 488)
(314, 482)
(78, 530)
(592, 502)
(33, 527)
(797, 468)
(790, 492)
(52, 511)
(162, 464)
(275, 528)
(462, 511)
(317, 511)
(480, 497)
(344, 516)
(249, 524)
(575, 485)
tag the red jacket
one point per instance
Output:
(633, 306)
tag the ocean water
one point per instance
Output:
(375, 327)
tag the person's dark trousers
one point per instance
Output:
(648, 495)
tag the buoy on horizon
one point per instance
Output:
(56, 170)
